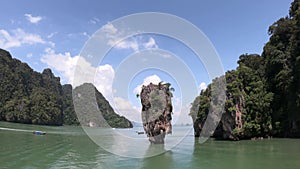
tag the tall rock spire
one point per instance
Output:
(157, 111)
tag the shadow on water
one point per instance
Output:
(163, 160)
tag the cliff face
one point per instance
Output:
(31, 97)
(247, 107)
(28, 96)
(93, 109)
(230, 122)
(156, 111)
(69, 115)
(263, 96)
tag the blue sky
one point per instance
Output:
(53, 33)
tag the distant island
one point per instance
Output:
(31, 97)
(263, 92)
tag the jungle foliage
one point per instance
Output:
(266, 87)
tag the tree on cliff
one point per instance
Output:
(38, 98)
(28, 96)
(264, 88)
(282, 71)
(246, 93)
(92, 107)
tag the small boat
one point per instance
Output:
(140, 132)
(39, 132)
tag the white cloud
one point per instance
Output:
(133, 44)
(113, 36)
(150, 79)
(150, 44)
(165, 55)
(51, 35)
(101, 76)
(62, 62)
(94, 21)
(126, 109)
(181, 113)
(29, 55)
(114, 39)
(202, 86)
(86, 34)
(33, 19)
(18, 37)
(109, 29)
(104, 79)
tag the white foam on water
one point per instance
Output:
(12, 129)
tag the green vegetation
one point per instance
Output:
(69, 116)
(265, 89)
(157, 111)
(39, 98)
(89, 102)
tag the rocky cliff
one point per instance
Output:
(93, 109)
(31, 97)
(262, 93)
(156, 111)
(246, 112)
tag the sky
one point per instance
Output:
(56, 34)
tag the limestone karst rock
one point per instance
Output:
(157, 111)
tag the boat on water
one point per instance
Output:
(39, 132)
(140, 132)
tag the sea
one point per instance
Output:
(73, 147)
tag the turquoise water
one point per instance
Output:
(70, 147)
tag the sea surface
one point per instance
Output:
(75, 147)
